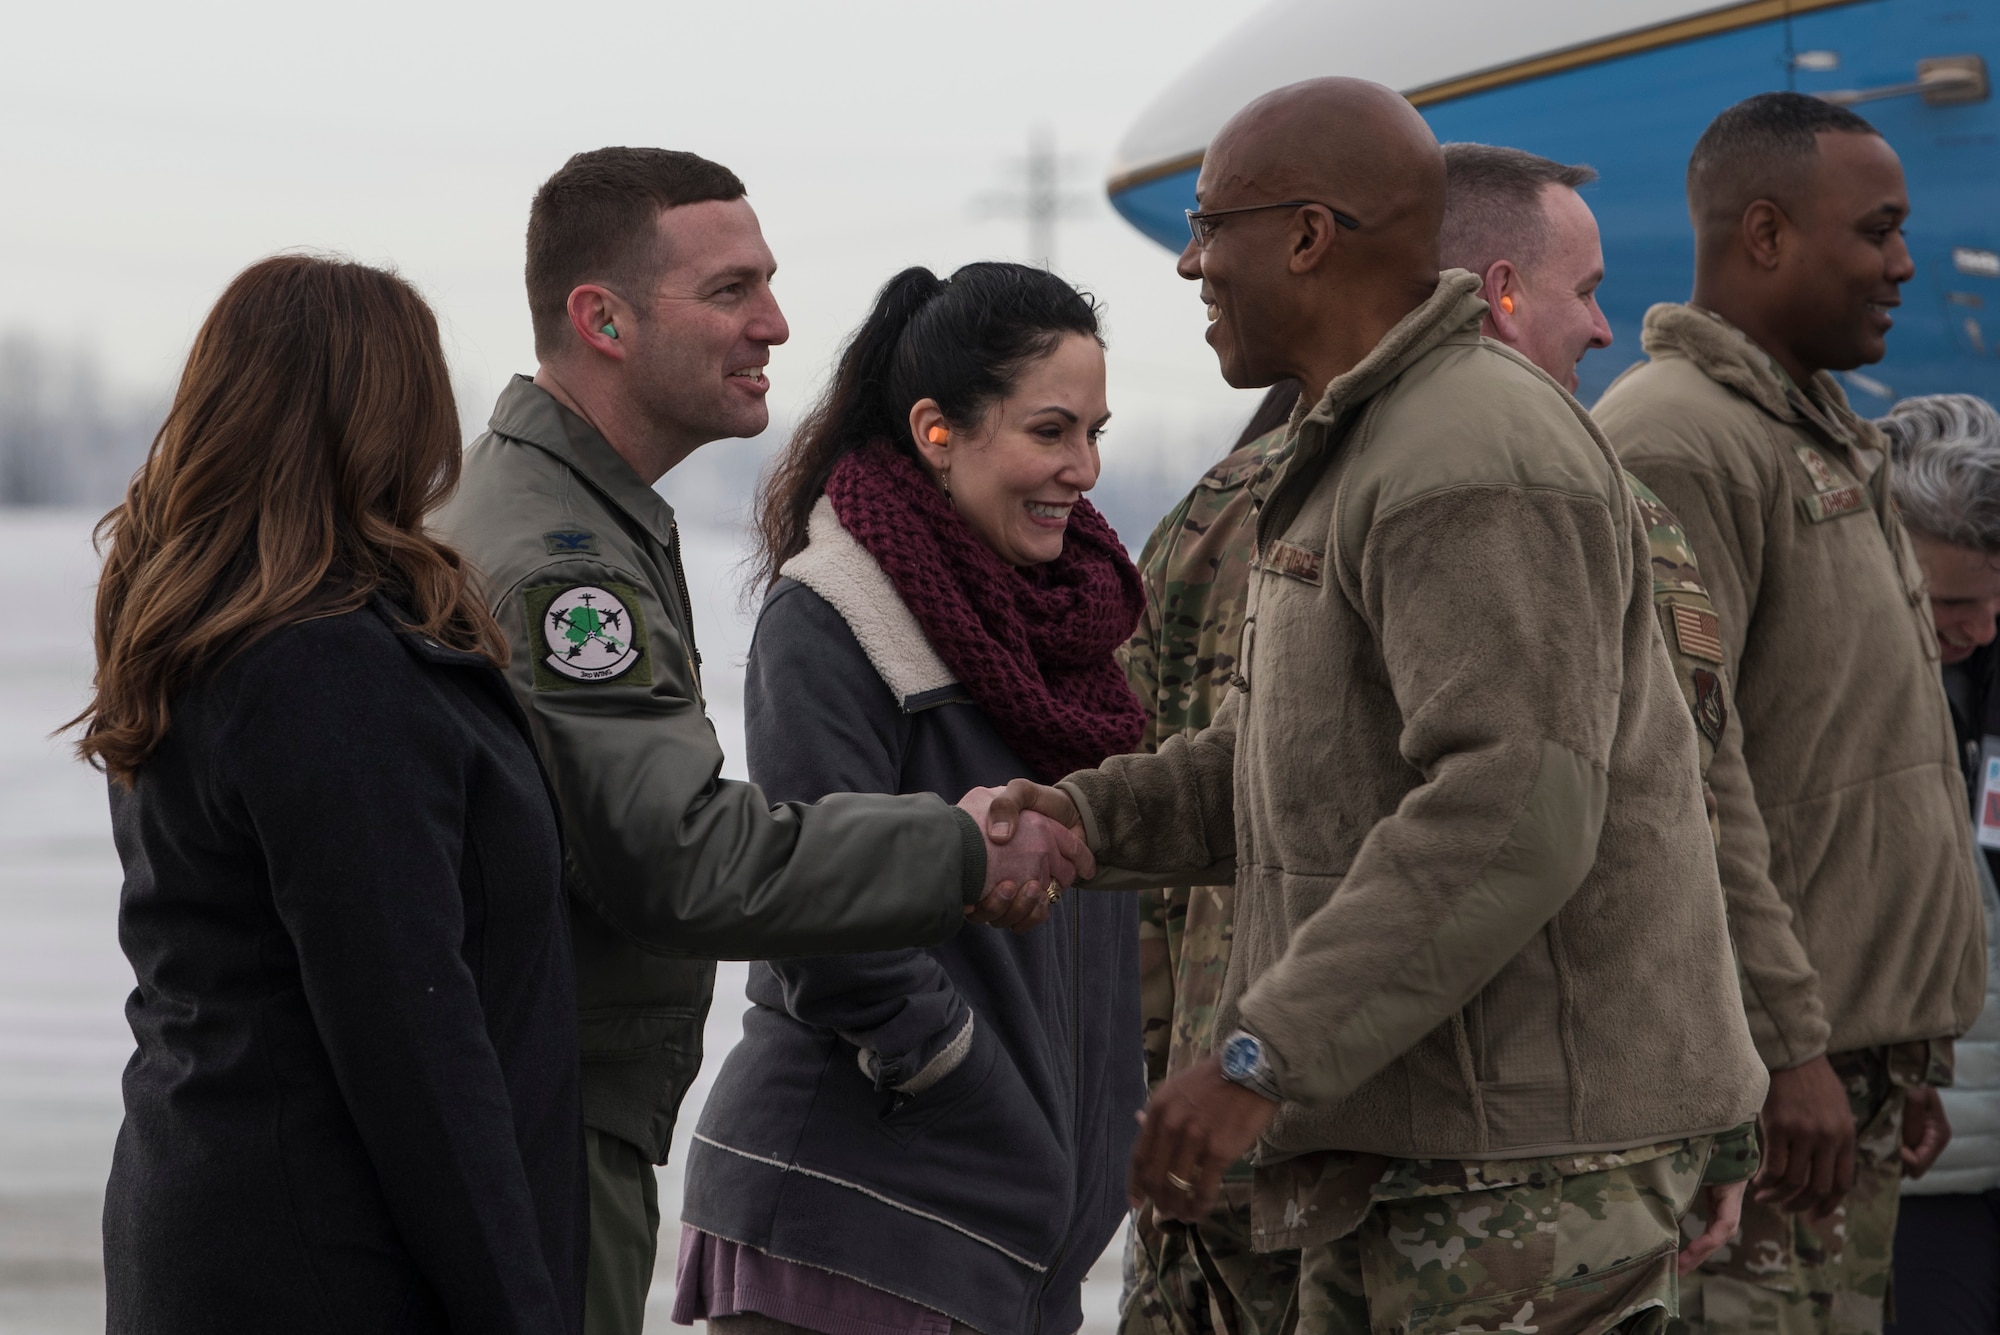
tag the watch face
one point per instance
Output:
(1239, 1056)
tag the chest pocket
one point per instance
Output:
(1836, 493)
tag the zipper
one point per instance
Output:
(1075, 1086)
(681, 587)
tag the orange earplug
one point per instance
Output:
(937, 435)
(1507, 305)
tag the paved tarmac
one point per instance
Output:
(63, 980)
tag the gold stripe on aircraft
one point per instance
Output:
(1727, 19)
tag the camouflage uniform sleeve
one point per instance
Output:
(1780, 985)
(1140, 656)
(1691, 628)
(1141, 660)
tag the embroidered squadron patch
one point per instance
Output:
(1300, 563)
(1698, 633)
(586, 634)
(1710, 713)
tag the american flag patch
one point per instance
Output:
(1699, 633)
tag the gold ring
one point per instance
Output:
(1054, 892)
(1182, 1183)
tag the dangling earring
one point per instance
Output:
(944, 480)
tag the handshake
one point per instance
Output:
(1034, 852)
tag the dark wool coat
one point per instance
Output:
(979, 1171)
(354, 1104)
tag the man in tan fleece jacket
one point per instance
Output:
(1845, 830)
(1482, 1016)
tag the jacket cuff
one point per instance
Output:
(895, 1074)
(1736, 1157)
(972, 857)
(1093, 833)
(1789, 1034)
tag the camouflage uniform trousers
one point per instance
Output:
(1553, 1254)
(1196, 570)
(1206, 1279)
(1784, 1274)
(1203, 1279)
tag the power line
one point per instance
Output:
(1036, 194)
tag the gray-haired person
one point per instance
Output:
(1947, 484)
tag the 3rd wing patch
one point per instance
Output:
(586, 635)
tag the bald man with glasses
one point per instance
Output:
(1481, 1014)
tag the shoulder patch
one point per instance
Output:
(1711, 715)
(569, 542)
(1300, 563)
(1698, 633)
(586, 635)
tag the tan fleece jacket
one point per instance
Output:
(1479, 913)
(1845, 853)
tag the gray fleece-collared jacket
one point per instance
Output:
(1846, 852)
(1479, 913)
(953, 1124)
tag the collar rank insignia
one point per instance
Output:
(569, 542)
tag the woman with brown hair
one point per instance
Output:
(354, 1101)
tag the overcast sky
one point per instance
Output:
(151, 151)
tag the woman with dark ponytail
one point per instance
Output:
(924, 1141)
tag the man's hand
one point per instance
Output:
(1926, 1131)
(1808, 1136)
(1007, 804)
(1024, 875)
(1196, 1125)
(1725, 1216)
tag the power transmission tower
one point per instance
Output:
(1037, 195)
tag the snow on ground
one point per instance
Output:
(63, 980)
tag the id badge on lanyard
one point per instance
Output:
(1987, 827)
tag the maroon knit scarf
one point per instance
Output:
(1034, 645)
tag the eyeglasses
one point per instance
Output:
(1201, 222)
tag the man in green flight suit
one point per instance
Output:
(1516, 220)
(649, 284)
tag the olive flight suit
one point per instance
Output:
(668, 865)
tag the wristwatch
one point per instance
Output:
(1246, 1063)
